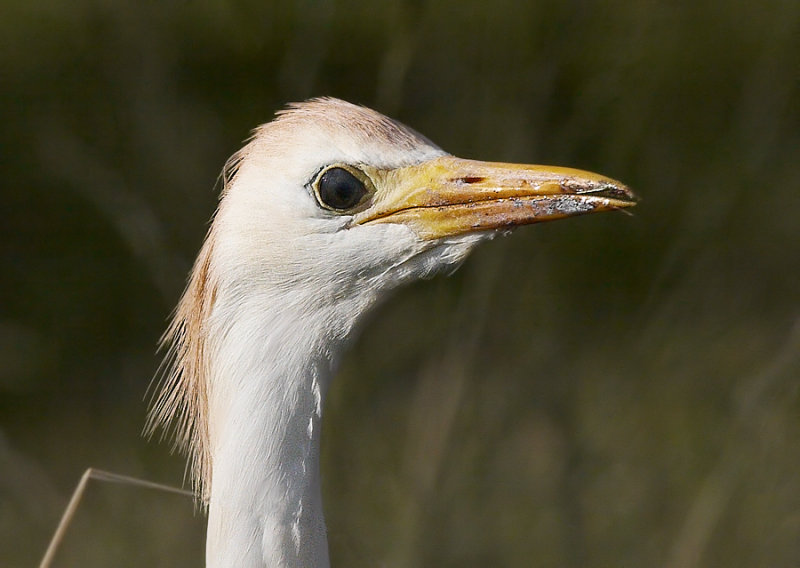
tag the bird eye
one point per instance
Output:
(340, 190)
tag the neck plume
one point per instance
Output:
(244, 393)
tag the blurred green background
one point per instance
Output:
(602, 391)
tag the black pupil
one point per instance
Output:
(339, 189)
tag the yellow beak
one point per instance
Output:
(450, 196)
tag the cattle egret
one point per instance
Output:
(327, 209)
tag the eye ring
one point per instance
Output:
(341, 188)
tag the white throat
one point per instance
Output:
(267, 386)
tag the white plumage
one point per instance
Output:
(324, 211)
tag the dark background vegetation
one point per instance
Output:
(602, 391)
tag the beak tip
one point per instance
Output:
(614, 191)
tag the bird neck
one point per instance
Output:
(266, 391)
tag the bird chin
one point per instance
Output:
(445, 255)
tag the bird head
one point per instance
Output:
(340, 199)
(325, 209)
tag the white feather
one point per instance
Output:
(284, 284)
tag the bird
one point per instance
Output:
(323, 213)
